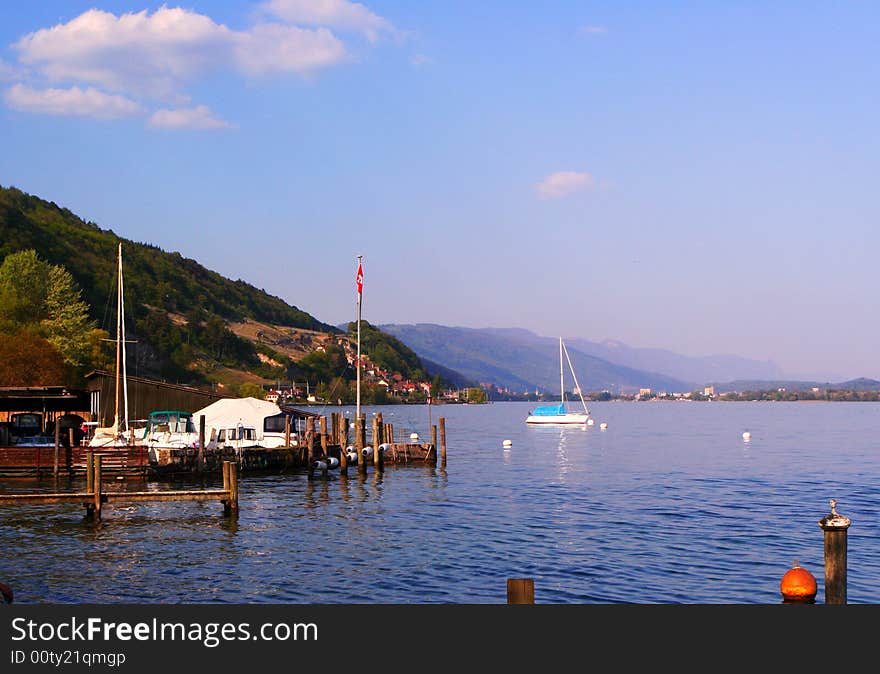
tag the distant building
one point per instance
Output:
(709, 391)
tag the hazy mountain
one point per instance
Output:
(521, 360)
(699, 370)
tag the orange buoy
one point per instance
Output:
(798, 585)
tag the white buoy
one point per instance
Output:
(385, 447)
(367, 451)
(507, 444)
(747, 436)
(590, 422)
(414, 437)
(603, 425)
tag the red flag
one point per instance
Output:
(360, 279)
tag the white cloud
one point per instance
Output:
(148, 54)
(152, 58)
(592, 30)
(7, 71)
(564, 183)
(269, 48)
(339, 14)
(199, 117)
(74, 101)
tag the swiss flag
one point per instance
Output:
(360, 278)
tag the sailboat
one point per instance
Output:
(120, 434)
(560, 414)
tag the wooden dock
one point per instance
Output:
(320, 440)
(94, 497)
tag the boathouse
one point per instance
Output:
(144, 396)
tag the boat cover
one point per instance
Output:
(548, 410)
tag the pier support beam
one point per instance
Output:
(835, 527)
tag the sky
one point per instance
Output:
(693, 176)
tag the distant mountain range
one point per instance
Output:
(522, 361)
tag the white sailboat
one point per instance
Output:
(120, 434)
(560, 414)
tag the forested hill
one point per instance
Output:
(166, 295)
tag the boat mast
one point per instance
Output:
(360, 286)
(122, 339)
(118, 335)
(561, 377)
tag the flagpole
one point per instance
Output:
(360, 293)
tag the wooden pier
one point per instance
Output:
(319, 441)
(94, 497)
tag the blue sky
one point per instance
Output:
(697, 176)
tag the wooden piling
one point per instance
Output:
(97, 484)
(68, 455)
(377, 437)
(90, 471)
(359, 444)
(323, 423)
(520, 591)
(57, 446)
(442, 422)
(230, 484)
(434, 440)
(287, 430)
(310, 439)
(201, 456)
(835, 528)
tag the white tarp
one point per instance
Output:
(232, 412)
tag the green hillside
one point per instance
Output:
(177, 310)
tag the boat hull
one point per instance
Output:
(557, 419)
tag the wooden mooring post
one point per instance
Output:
(835, 528)
(442, 422)
(230, 485)
(201, 457)
(57, 445)
(520, 591)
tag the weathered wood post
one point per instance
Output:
(97, 485)
(68, 455)
(287, 430)
(442, 422)
(434, 440)
(310, 439)
(323, 423)
(201, 456)
(359, 444)
(835, 527)
(230, 484)
(377, 437)
(90, 471)
(57, 446)
(520, 591)
(344, 440)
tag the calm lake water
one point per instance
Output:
(668, 505)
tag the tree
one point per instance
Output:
(67, 323)
(24, 283)
(436, 386)
(45, 298)
(27, 359)
(251, 390)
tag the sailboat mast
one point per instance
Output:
(122, 327)
(561, 377)
(118, 334)
(360, 293)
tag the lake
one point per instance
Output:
(667, 505)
